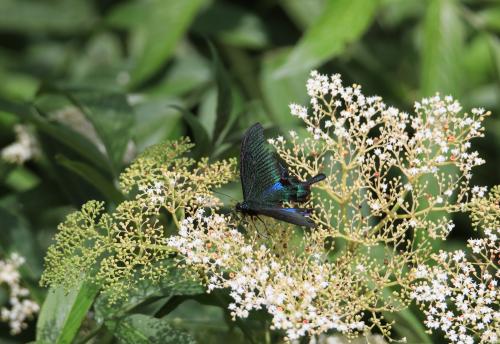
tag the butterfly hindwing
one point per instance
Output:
(296, 216)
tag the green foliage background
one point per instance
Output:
(146, 71)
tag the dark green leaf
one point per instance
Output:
(93, 177)
(64, 135)
(111, 117)
(17, 236)
(175, 283)
(61, 16)
(224, 97)
(232, 25)
(201, 137)
(409, 326)
(139, 329)
(62, 313)
(490, 18)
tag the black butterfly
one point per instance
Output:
(261, 180)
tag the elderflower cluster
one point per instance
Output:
(25, 147)
(119, 248)
(459, 295)
(294, 284)
(392, 179)
(20, 307)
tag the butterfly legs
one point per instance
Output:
(257, 230)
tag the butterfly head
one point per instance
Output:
(241, 206)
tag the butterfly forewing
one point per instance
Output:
(259, 171)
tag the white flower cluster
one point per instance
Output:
(387, 172)
(21, 308)
(461, 297)
(395, 161)
(258, 279)
(23, 149)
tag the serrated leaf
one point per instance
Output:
(341, 22)
(167, 21)
(443, 40)
(62, 313)
(139, 329)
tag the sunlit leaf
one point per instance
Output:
(443, 40)
(62, 313)
(341, 22)
(303, 13)
(166, 23)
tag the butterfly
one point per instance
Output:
(266, 184)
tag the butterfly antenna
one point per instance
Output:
(259, 232)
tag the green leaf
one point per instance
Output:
(37, 17)
(175, 283)
(341, 22)
(233, 25)
(111, 117)
(156, 121)
(17, 236)
(490, 18)
(443, 41)
(64, 135)
(224, 97)
(139, 328)
(303, 13)
(167, 21)
(62, 313)
(94, 177)
(280, 92)
(188, 71)
(201, 137)
(477, 61)
(494, 44)
(408, 325)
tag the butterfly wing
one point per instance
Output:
(259, 169)
(296, 216)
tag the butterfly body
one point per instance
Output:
(264, 190)
(300, 191)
